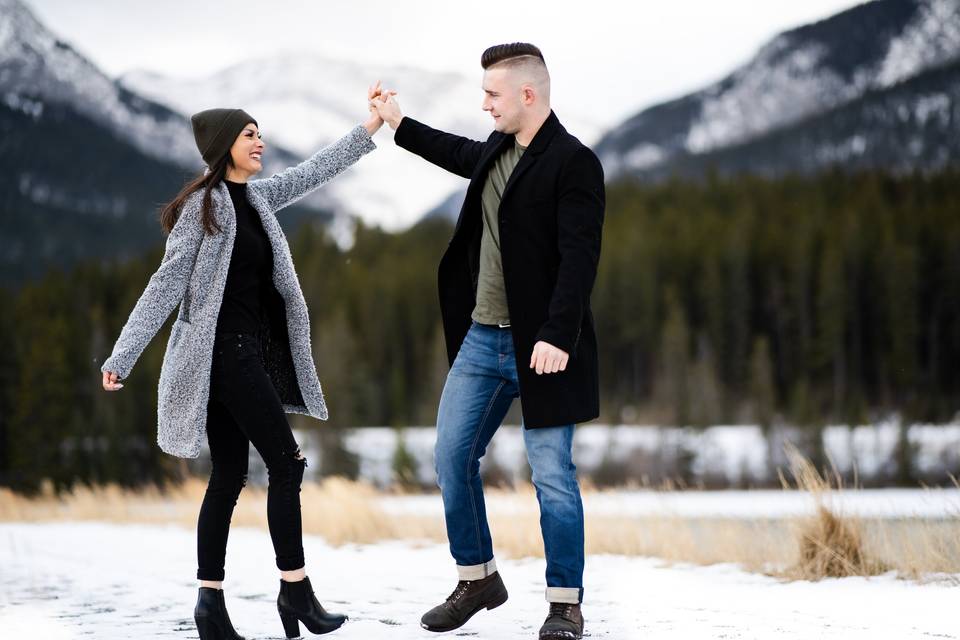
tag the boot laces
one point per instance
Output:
(461, 588)
(561, 609)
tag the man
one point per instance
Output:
(515, 287)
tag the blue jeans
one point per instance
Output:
(478, 392)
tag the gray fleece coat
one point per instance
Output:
(193, 274)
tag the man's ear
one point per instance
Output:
(529, 94)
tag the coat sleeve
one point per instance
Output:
(163, 293)
(454, 153)
(293, 183)
(580, 209)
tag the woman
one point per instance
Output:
(239, 353)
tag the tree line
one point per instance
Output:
(801, 300)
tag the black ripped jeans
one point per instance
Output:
(243, 408)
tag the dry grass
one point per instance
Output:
(825, 545)
(340, 510)
(831, 545)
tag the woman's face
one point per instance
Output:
(246, 151)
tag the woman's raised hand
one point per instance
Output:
(111, 381)
(376, 94)
(374, 91)
(374, 122)
(388, 108)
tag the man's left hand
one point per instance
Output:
(547, 358)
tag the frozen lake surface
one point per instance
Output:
(934, 503)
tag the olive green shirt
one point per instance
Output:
(491, 296)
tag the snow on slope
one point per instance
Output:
(797, 75)
(931, 39)
(35, 66)
(788, 80)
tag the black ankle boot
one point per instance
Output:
(564, 622)
(297, 602)
(469, 597)
(210, 614)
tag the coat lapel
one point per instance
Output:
(223, 206)
(539, 143)
(271, 226)
(537, 146)
(491, 152)
(267, 220)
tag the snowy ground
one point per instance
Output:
(105, 581)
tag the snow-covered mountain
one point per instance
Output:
(304, 101)
(801, 75)
(301, 100)
(911, 126)
(37, 68)
(84, 163)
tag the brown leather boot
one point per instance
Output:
(469, 597)
(564, 622)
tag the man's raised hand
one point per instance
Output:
(388, 108)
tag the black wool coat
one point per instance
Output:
(551, 218)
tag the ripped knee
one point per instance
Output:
(298, 455)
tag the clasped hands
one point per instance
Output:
(383, 106)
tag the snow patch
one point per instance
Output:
(783, 84)
(644, 156)
(932, 38)
(38, 65)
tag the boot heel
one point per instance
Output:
(207, 629)
(290, 625)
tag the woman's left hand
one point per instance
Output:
(374, 122)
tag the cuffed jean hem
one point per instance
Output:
(565, 595)
(477, 571)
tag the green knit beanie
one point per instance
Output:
(216, 129)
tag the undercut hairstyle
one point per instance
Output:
(502, 53)
(523, 59)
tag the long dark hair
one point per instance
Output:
(171, 211)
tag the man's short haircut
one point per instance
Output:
(518, 51)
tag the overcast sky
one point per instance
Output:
(611, 58)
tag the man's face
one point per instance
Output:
(502, 99)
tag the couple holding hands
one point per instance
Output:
(514, 289)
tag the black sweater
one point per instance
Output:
(251, 268)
